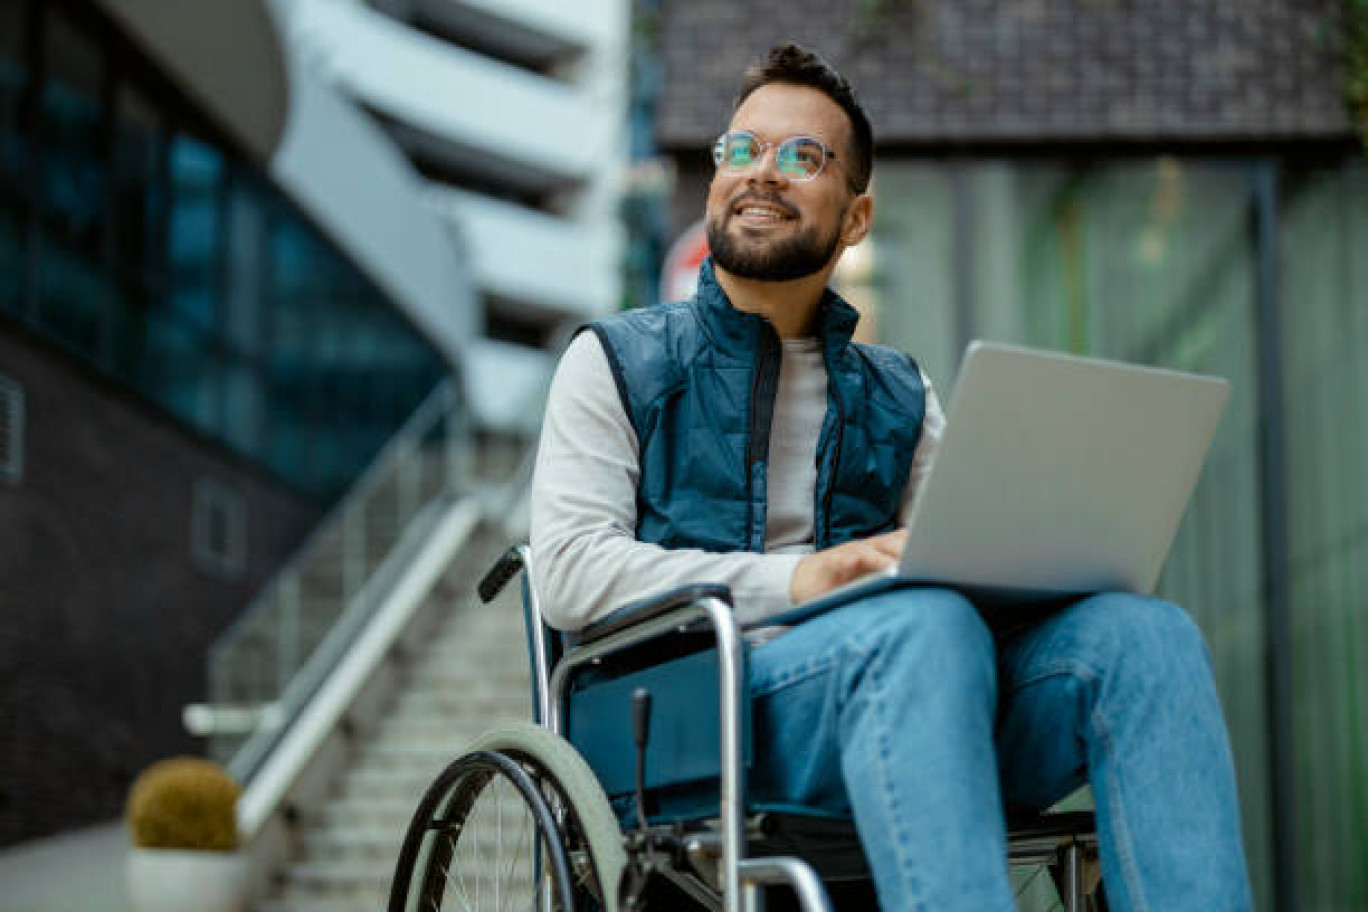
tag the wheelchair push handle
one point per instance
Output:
(507, 567)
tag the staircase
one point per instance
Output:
(471, 673)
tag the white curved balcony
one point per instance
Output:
(588, 23)
(506, 384)
(534, 259)
(501, 121)
(371, 203)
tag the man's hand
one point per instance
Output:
(822, 571)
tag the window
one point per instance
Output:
(218, 529)
(11, 431)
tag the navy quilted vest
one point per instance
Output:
(698, 380)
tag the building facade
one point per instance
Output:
(207, 330)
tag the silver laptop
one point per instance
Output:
(1056, 475)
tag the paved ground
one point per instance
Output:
(81, 870)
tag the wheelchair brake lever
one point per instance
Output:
(641, 733)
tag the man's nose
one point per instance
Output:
(767, 169)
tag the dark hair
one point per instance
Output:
(795, 65)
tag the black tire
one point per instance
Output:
(485, 837)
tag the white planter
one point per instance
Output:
(176, 880)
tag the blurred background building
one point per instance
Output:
(281, 284)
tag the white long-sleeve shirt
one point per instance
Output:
(586, 558)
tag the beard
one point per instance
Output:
(793, 257)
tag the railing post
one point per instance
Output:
(287, 649)
(353, 548)
(459, 449)
(409, 476)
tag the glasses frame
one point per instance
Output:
(720, 144)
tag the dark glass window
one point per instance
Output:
(73, 285)
(14, 155)
(195, 234)
(138, 239)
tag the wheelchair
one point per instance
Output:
(628, 789)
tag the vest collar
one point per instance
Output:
(738, 330)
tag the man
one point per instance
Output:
(742, 438)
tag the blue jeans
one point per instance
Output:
(905, 709)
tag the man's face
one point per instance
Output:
(764, 225)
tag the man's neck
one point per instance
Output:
(790, 307)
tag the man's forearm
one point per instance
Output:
(583, 576)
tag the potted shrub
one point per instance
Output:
(182, 822)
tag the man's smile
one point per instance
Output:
(757, 212)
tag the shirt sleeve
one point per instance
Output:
(933, 426)
(585, 553)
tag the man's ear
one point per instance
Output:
(859, 219)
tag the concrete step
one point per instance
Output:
(491, 659)
(419, 728)
(347, 812)
(469, 700)
(408, 757)
(474, 688)
(378, 845)
(378, 783)
(297, 901)
(474, 635)
(339, 878)
(361, 844)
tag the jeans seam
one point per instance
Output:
(811, 669)
(804, 672)
(1125, 855)
(1080, 670)
(894, 813)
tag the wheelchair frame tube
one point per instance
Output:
(537, 641)
(795, 872)
(730, 662)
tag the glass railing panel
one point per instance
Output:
(271, 661)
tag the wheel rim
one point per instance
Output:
(489, 843)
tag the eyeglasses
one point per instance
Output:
(799, 158)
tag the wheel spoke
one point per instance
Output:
(516, 857)
(459, 883)
(460, 878)
(498, 847)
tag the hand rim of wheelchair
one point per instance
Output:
(561, 793)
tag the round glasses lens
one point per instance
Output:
(739, 150)
(801, 158)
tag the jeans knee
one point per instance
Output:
(1153, 636)
(938, 618)
(932, 634)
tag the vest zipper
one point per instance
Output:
(824, 540)
(764, 385)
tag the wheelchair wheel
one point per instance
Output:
(517, 823)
